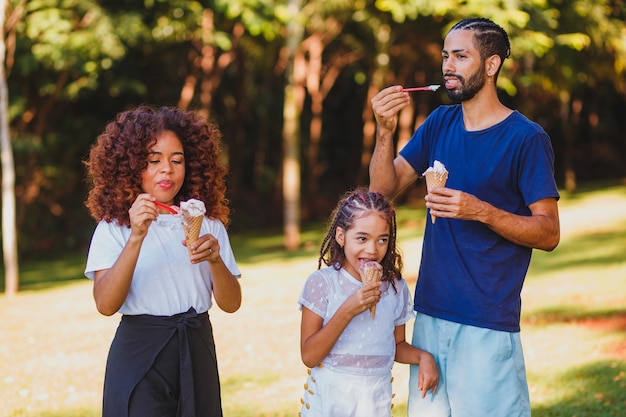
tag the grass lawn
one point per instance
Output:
(53, 343)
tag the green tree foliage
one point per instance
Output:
(73, 64)
(58, 52)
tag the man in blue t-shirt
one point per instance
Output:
(499, 203)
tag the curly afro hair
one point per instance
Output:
(120, 155)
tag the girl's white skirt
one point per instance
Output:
(335, 394)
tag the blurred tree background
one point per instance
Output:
(71, 65)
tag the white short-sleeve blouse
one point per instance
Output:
(366, 346)
(165, 282)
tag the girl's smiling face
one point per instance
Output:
(366, 240)
(165, 174)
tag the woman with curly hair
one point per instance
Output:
(162, 359)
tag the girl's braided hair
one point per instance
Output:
(491, 39)
(354, 205)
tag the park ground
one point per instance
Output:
(53, 343)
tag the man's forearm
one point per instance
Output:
(541, 230)
(382, 173)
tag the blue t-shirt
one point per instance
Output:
(468, 273)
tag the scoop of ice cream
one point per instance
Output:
(438, 169)
(193, 207)
(371, 272)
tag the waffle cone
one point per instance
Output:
(192, 226)
(435, 180)
(369, 275)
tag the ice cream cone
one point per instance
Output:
(436, 177)
(192, 212)
(191, 226)
(371, 272)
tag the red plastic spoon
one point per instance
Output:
(165, 207)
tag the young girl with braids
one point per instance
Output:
(162, 359)
(349, 353)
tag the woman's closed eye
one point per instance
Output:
(173, 161)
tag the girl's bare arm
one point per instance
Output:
(428, 377)
(317, 340)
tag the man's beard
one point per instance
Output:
(468, 90)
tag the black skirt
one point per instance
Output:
(162, 366)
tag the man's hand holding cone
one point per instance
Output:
(436, 177)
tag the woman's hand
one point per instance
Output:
(142, 213)
(206, 248)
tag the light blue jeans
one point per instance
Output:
(482, 371)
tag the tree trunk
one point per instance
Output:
(313, 77)
(291, 136)
(207, 68)
(383, 40)
(320, 79)
(9, 235)
(568, 134)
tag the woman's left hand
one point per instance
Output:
(206, 248)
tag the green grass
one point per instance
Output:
(593, 390)
(574, 311)
(54, 344)
(598, 249)
(51, 274)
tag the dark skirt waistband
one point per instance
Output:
(139, 340)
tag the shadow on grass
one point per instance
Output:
(609, 319)
(48, 274)
(596, 390)
(594, 189)
(588, 251)
(267, 246)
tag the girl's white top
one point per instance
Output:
(165, 282)
(366, 346)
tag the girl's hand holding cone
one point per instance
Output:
(371, 272)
